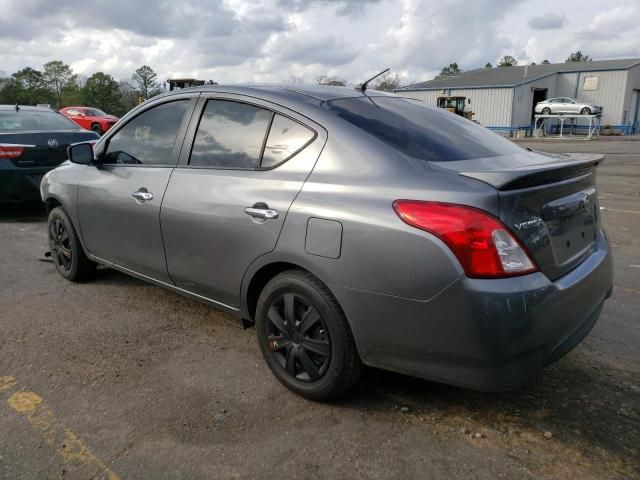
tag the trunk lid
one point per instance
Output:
(549, 201)
(44, 148)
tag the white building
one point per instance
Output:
(506, 96)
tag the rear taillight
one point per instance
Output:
(483, 244)
(10, 150)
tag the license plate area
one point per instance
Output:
(572, 225)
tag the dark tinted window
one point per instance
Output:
(230, 135)
(10, 120)
(286, 138)
(421, 131)
(94, 112)
(149, 138)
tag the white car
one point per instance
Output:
(565, 105)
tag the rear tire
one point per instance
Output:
(585, 111)
(546, 111)
(305, 338)
(66, 250)
(96, 128)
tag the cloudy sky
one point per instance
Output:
(273, 40)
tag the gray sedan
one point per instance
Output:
(349, 227)
(567, 106)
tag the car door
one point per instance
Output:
(82, 118)
(227, 200)
(75, 114)
(119, 199)
(571, 106)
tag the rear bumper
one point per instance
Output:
(21, 184)
(478, 333)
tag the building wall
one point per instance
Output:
(610, 94)
(491, 106)
(523, 99)
(631, 93)
(500, 107)
(566, 85)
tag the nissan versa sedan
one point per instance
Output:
(565, 105)
(33, 140)
(350, 227)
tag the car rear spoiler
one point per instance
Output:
(568, 166)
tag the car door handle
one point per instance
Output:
(142, 195)
(264, 213)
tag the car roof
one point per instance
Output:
(291, 92)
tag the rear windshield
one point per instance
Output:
(421, 131)
(11, 121)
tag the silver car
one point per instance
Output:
(566, 105)
(350, 227)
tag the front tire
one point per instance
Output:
(585, 111)
(305, 338)
(546, 111)
(66, 250)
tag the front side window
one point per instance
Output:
(94, 112)
(286, 138)
(230, 135)
(149, 138)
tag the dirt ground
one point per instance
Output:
(120, 379)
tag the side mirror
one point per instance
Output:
(81, 153)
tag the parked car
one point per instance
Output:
(32, 141)
(90, 118)
(565, 105)
(350, 227)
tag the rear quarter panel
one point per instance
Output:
(355, 182)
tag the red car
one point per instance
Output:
(90, 118)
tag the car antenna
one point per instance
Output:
(363, 86)
(17, 107)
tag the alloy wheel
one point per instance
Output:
(60, 244)
(298, 337)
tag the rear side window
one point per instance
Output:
(148, 139)
(230, 135)
(24, 120)
(419, 130)
(286, 138)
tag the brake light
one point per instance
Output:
(10, 151)
(483, 244)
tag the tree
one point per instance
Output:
(488, 65)
(11, 91)
(332, 81)
(59, 78)
(449, 71)
(388, 82)
(146, 81)
(546, 62)
(31, 87)
(102, 91)
(508, 61)
(577, 57)
(296, 79)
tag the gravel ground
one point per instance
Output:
(120, 379)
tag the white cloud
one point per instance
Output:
(271, 40)
(549, 21)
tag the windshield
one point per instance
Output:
(419, 130)
(11, 121)
(94, 112)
